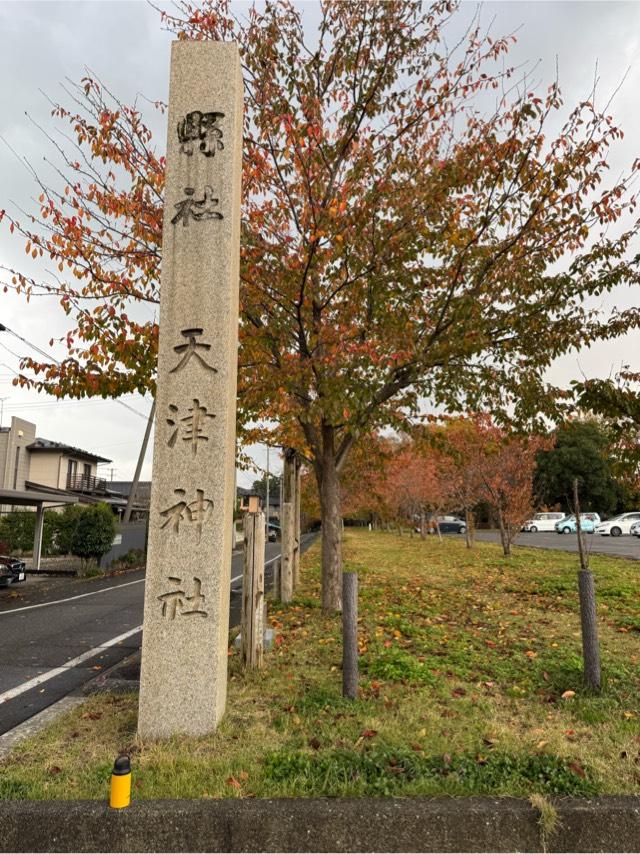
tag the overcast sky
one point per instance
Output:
(42, 43)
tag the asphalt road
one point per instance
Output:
(57, 634)
(625, 546)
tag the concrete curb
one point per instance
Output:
(320, 824)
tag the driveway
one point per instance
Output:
(625, 546)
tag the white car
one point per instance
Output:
(543, 522)
(635, 529)
(618, 525)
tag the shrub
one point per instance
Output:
(67, 521)
(17, 531)
(93, 534)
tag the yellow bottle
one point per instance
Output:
(120, 783)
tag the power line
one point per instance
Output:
(4, 328)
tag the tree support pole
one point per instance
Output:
(350, 635)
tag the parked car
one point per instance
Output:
(618, 525)
(635, 529)
(588, 522)
(542, 522)
(12, 569)
(273, 532)
(447, 525)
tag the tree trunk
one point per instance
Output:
(423, 532)
(329, 488)
(506, 545)
(470, 523)
(588, 616)
(589, 625)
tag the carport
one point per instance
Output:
(37, 500)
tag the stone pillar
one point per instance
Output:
(183, 681)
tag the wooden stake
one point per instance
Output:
(350, 635)
(253, 591)
(286, 561)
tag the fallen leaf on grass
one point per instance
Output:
(231, 781)
(568, 695)
(92, 716)
(577, 769)
(368, 733)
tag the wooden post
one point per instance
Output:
(296, 522)
(286, 562)
(253, 591)
(37, 540)
(287, 530)
(350, 635)
(275, 587)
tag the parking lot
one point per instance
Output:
(624, 546)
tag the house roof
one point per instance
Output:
(48, 446)
(32, 497)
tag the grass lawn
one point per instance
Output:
(465, 657)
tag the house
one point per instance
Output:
(142, 502)
(30, 463)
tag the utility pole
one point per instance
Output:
(267, 510)
(136, 477)
(2, 400)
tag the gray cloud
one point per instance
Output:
(41, 43)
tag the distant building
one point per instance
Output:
(30, 463)
(140, 509)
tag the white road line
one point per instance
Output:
(71, 598)
(74, 662)
(103, 590)
(273, 560)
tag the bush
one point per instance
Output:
(67, 521)
(17, 531)
(134, 557)
(93, 534)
